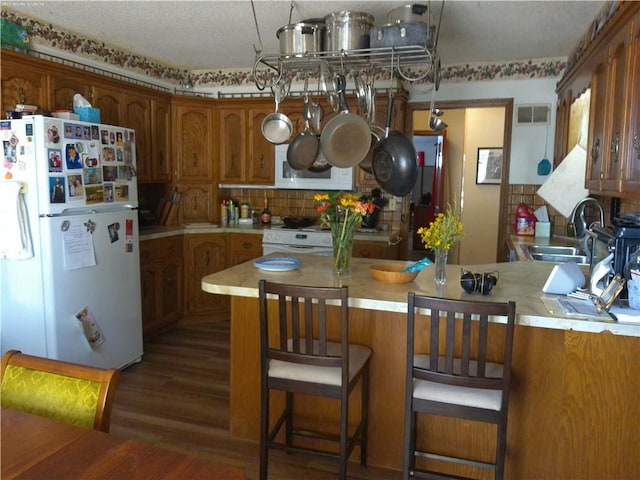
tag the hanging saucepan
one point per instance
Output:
(346, 138)
(277, 127)
(377, 133)
(394, 160)
(304, 147)
(320, 164)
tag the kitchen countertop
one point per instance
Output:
(153, 232)
(521, 281)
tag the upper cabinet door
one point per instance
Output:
(261, 158)
(246, 157)
(64, 88)
(193, 131)
(137, 115)
(108, 101)
(161, 146)
(631, 149)
(233, 152)
(617, 113)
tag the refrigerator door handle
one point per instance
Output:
(88, 211)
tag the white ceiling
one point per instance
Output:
(199, 35)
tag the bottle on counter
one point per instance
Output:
(224, 214)
(232, 212)
(244, 210)
(265, 216)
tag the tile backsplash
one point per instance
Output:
(527, 194)
(297, 203)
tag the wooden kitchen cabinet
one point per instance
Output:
(193, 132)
(64, 87)
(608, 113)
(630, 150)
(372, 249)
(161, 166)
(161, 276)
(203, 254)
(246, 157)
(136, 114)
(109, 100)
(243, 247)
(196, 202)
(52, 86)
(21, 83)
(610, 65)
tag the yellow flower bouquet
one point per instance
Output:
(440, 236)
(443, 232)
(343, 213)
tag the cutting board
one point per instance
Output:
(565, 186)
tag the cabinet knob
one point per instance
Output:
(247, 245)
(195, 160)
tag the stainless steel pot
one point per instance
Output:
(401, 35)
(414, 12)
(346, 30)
(300, 38)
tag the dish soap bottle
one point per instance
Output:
(265, 216)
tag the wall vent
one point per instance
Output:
(533, 114)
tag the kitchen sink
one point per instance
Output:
(556, 254)
(553, 250)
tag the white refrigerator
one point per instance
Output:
(69, 253)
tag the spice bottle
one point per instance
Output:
(265, 216)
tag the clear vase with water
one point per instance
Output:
(440, 264)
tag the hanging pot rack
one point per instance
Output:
(413, 63)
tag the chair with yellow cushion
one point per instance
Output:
(67, 392)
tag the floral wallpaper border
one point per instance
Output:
(51, 36)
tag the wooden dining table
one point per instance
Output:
(36, 447)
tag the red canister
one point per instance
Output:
(525, 223)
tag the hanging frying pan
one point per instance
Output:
(304, 147)
(394, 159)
(346, 138)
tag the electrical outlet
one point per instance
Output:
(392, 203)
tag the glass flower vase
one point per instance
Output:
(342, 234)
(440, 260)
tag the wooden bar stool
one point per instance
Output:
(298, 357)
(455, 378)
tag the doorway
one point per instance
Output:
(483, 202)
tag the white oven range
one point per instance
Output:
(309, 241)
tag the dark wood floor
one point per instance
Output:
(178, 398)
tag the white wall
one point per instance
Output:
(527, 142)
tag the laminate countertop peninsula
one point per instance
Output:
(573, 410)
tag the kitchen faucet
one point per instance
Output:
(577, 216)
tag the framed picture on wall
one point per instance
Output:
(489, 167)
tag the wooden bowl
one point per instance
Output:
(392, 273)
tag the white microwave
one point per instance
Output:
(332, 179)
